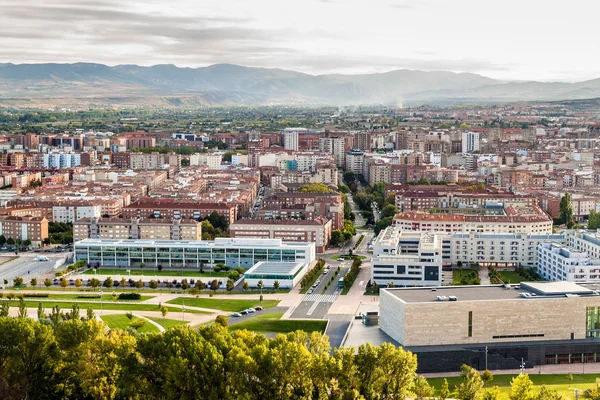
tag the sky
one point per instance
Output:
(544, 40)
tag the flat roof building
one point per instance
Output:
(287, 274)
(235, 252)
(543, 322)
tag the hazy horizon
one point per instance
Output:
(517, 41)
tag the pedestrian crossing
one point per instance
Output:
(320, 298)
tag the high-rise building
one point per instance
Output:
(335, 146)
(470, 142)
(290, 140)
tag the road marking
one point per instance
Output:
(361, 283)
(312, 308)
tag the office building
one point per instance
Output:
(235, 252)
(287, 274)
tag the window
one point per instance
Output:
(470, 333)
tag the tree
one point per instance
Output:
(245, 286)
(314, 188)
(2, 240)
(336, 237)
(139, 284)
(18, 281)
(200, 285)
(94, 283)
(78, 283)
(214, 285)
(4, 310)
(230, 285)
(108, 282)
(471, 386)
(389, 211)
(123, 282)
(570, 377)
(22, 309)
(566, 211)
(487, 376)
(276, 285)
(521, 388)
(153, 284)
(184, 284)
(64, 282)
(594, 220)
(47, 282)
(491, 394)
(547, 394)
(164, 310)
(185, 162)
(233, 275)
(221, 320)
(382, 224)
(260, 284)
(10, 241)
(27, 242)
(34, 282)
(444, 390)
(41, 314)
(137, 323)
(421, 388)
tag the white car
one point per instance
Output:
(42, 258)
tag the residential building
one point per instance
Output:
(137, 228)
(24, 228)
(335, 146)
(74, 212)
(470, 142)
(556, 262)
(290, 140)
(317, 230)
(177, 209)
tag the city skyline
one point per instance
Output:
(520, 41)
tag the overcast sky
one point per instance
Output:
(509, 39)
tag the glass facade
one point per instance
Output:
(592, 323)
(184, 256)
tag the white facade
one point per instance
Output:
(62, 160)
(354, 161)
(290, 140)
(335, 146)
(470, 142)
(212, 161)
(560, 263)
(407, 259)
(75, 213)
(287, 274)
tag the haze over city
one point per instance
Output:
(511, 40)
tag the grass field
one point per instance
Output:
(149, 272)
(120, 321)
(66, 305)
(511, 277)
(559, 383)
(232, 305)
(273, 323)
(468, 273)
(168, 323)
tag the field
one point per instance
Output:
(559, 383)
(469, 274)
(67, 305)
(168, 323)
(273, 323)
(120, 321)
(79, 296)
(511, 277)
(149, 272)
(232, 305)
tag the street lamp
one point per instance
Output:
(486, 354)
(101, 301)
(522, 366)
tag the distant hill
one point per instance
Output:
(226, 84)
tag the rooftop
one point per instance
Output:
(536, 290)
(274, 268)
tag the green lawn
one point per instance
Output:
(168, 323)
(468, 273)
(555, 382)
(232, 305)
(149, 272)
(511, 277)
(120, 321)
(273, 323)
(82, 296)
(67, 305)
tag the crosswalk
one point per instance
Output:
(320, 298)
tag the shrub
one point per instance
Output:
(36, 295)
(88, 296)
(221, 320)
(130, 296)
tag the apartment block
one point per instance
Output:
(178, 209)
(25, 227)
(137, 228)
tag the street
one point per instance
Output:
(27, 267)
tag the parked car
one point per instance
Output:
(341, 259)
(250, 310)
(325, 272)
(309, 291)
(235, 314)
(259, 308)
(243, 312)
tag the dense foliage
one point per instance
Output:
(78, 358)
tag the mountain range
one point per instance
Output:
(92, 84)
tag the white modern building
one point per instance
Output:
(354, 161)
(62, 160)
(470, 142)
(556, 262)
(290, 140)
(287, 274)
(72, 213)
(407, 258)
(211, 160)
(335, 146)
(235, 252)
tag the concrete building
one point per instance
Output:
(287, 274)
(335, 146)
(407, 258)
(24, 228)
(557, 262)
(470, 142)
(290, 140)
(235, 252)
(73, 212)
(62, 160)
(137, 228)
(176, 209)
(210, 160)
(539, 323)
(354, 161)
(317, 230)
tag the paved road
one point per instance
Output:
(336, 330)
(316, 305)
(27, 267)
(237, 320)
